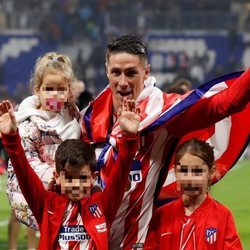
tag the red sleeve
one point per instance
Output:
(232, 240)
(118, 179)
(30, 184)
(211, 110)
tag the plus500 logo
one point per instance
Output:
(135, 176)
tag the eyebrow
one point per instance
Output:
(126, 69)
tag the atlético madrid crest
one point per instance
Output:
(95, 210)
(211, 235)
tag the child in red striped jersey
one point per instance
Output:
(195, 220)
(73, 215)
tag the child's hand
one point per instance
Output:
(129, 118)
(7, 118)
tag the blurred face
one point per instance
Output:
(126, 74)
(76, 184)
(192, 175)
(54, 92)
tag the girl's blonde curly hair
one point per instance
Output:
(53, 62)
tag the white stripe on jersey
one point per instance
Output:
(75, 233)
(153, 174)
(118, 225)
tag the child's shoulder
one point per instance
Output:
(220, 207)
(169, 207)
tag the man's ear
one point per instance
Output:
(147, 71)
(56, 177)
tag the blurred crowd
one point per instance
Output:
(68, 22)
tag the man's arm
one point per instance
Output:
(117, 182)
(211, 110)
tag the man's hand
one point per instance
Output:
(7, 118)
(129, 118)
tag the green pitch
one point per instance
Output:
(232, 191)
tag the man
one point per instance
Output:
(166, 119)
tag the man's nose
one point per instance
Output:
(123, 82)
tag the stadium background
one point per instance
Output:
(197, 39)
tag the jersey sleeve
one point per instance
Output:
(118, 179)
(232, 240)
(210, 110)
(30, 184)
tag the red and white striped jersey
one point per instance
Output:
(72, 234)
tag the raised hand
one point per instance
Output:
(7, 118)
(129, 117)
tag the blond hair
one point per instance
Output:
(53, 62)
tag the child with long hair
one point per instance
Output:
(195, 220)
(44, 121)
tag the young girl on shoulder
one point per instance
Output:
(44, 121)
(195, 220)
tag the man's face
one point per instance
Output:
(192, 175)
(76, 184)
(126, 74)
(54, 92)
